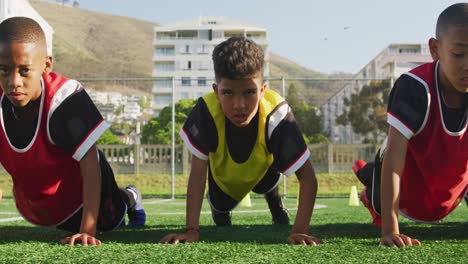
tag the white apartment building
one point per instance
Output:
(13, 8)
(393, 61)
(182, 52)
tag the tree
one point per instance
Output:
(159, 129)
(366, 111)
(109, 138)
(307, 117)
(76, 4)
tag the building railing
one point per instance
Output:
(156, 159)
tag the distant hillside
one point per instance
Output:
(90, 44)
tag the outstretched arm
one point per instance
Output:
(195, 191)
(307, 194)
(91, 173)
(392, 168)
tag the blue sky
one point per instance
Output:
(324, 35)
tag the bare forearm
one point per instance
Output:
(307, 194)
(91, 174)
(392, 168)
(195, 192)
(390, 202)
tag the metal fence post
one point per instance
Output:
(173, 141)
(330, 165)
(136, 155)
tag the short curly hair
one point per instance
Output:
(238, 58)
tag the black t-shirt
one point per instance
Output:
(409, 102)
(70, 124)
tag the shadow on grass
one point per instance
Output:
(16, 234)
(258, 234)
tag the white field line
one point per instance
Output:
(317, 206)
(237, 211)
(11, 219)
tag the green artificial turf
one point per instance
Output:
(349, 238)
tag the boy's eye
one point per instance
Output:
(250, 92)
(3, 71)
(24, 70)
(227, 92)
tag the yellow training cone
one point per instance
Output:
(353, 197)
(246, 201)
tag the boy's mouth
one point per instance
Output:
(17, 96)
(239, 118)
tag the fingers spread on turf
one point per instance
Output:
(82, 238)
(303, 239)
(399, 240)
(168, 238)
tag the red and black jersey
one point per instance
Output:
(44, 160)
(435, 176)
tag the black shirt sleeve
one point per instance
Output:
(75, 121)
(408, 105)
(199, 131)
(288, 146)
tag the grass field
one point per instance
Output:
(349, 238)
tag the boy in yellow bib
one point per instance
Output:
(244, 136)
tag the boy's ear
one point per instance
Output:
(48, 64)
(433, 47)
(263, 87)
(215, 89)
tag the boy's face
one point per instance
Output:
(21, 68)
(239, 99)
(452, 52)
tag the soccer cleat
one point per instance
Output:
(376, 218)
(136, 214)
(221, 218)
(282, 217)
(358, 165)
(279, 214)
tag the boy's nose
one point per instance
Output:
(239, 103)
(15, 81)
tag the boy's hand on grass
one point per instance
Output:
(398, 240)
(188, 236)
(82, 238)
(303, 239)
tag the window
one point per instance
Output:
(201, 81)
(408, 51)
(165, 51)
(164, 66)
(186, 81)
(164, 83)
(162, 99)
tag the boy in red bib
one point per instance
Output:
(49, 127)
(421, 171)
(243, 136)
